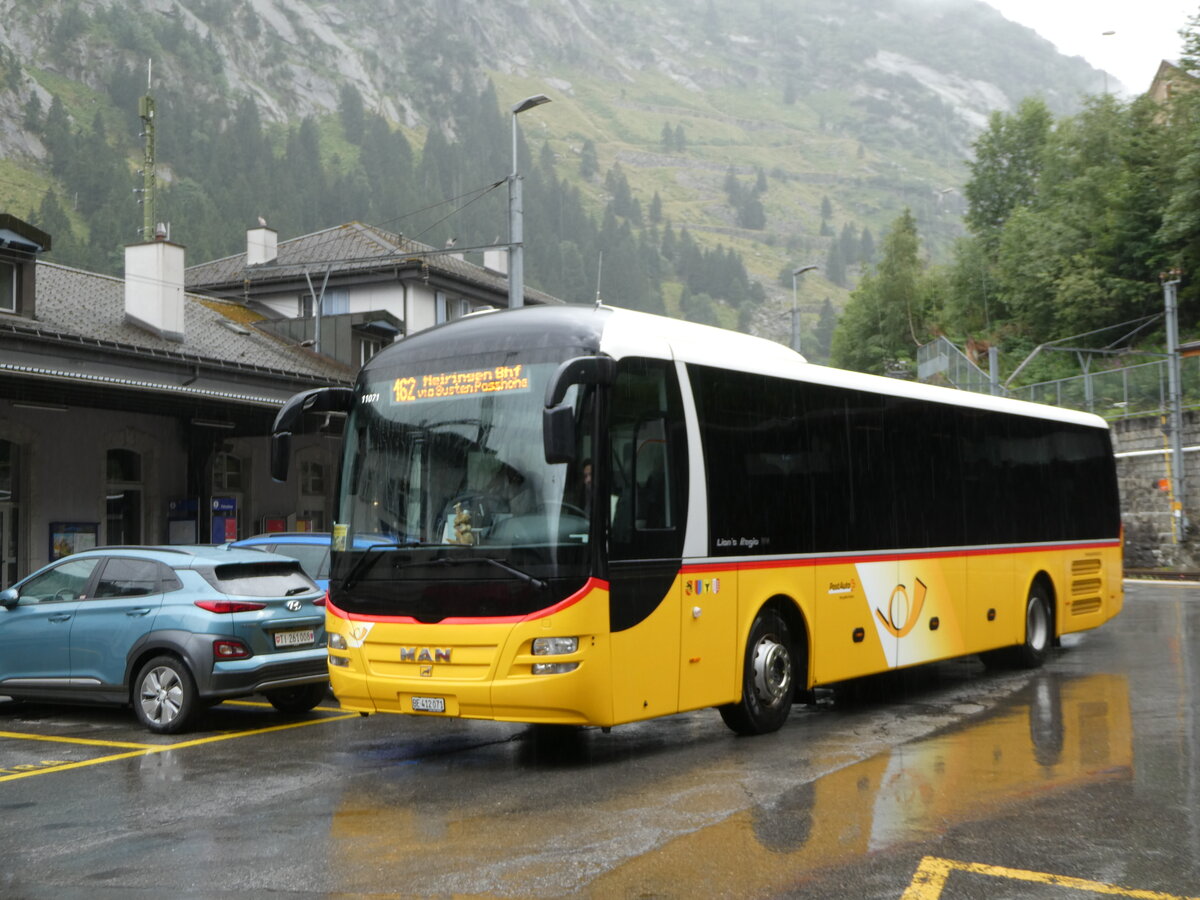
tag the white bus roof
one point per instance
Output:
(631, 333)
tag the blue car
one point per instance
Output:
(167, 630)
(311, 548)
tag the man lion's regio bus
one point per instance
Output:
(592, 516)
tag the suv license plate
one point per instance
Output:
(293, 638)
(429, 704)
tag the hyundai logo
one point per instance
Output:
(294, 605)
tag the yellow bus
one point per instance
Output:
(593, 516)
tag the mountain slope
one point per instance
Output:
(833, 115)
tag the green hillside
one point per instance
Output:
(773, 134)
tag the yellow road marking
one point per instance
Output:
(80, 765)
(19, 736)
(930, 878)
(236, 734)
(258, 704)
(147, 749)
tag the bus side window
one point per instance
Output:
(651, 477)
(648, 462)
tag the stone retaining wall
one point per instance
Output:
(1151, 530)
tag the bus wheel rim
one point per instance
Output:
(772, 671)
(1037, 624)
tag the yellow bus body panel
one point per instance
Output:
(862, 616)
(481, 670)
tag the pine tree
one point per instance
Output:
(655, 209)
(589, 165)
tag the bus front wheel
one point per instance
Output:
(768, 678)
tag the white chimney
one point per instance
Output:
(496, 260)
(262, 245)
(154, 287)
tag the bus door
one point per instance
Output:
(647, 487)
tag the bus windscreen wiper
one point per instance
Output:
(360, 567)
(490, 560)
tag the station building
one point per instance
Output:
(135, 410)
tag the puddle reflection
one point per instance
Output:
(633, 827)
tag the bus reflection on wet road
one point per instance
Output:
(697, 831)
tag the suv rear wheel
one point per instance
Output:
(297, 699)
(164, 695)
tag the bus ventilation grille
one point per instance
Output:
(1085, 591)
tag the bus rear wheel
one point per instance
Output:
(768, 678)
(1039, 626)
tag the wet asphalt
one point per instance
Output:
(947, 782)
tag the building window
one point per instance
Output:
(8, 471)
(8, 287)
(227, 473)
(335, 303)
(123, 523)
(367, 349)
(312, 478)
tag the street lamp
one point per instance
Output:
(516, 212)
(799, 270)
(1106, 34)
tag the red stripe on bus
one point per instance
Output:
(694, 568)
(592, 584)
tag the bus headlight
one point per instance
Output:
(337, 641)
(554, 646)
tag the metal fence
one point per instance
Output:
(1136, 390)
(940, 361)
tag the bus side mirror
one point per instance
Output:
(558, 421)
(580, 370)
(290, 419)
(281, 455)
(558, 434)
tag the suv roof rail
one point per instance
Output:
(185, 550)
(272, 534)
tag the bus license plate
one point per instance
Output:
(293, 638)
(429, 704)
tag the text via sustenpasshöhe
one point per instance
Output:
(441, 385)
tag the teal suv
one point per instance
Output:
(167, 630)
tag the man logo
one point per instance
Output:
(425, 654)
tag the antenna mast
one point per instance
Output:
(147, 190)
(599, 269)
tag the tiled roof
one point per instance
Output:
(353, 247)
(72, 304)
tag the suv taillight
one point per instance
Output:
(229, 606)
(322, 601)
(227, 649)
